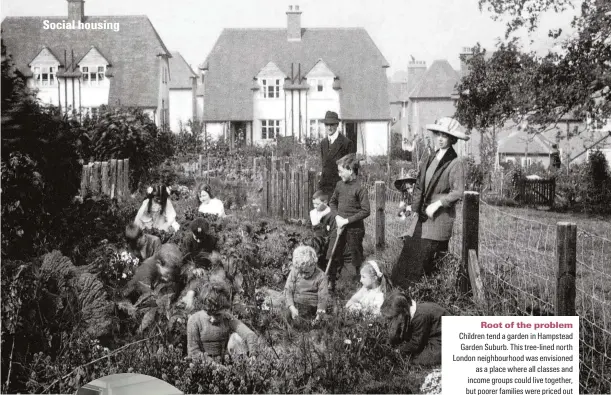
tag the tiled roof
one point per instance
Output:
(180, 72)
(438, 81)
(132, 51)
(239, 54)
(516, 142)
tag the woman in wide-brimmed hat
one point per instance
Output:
(439, 186)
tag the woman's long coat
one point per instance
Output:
(446, 185)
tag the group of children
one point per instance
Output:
(339, 230)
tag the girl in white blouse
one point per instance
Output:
(208, 204)
(370, 297)
(157, 210)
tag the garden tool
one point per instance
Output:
(339, 233)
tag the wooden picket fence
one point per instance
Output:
(287, 188)
(536, 192)
(109, 178)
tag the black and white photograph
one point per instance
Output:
(293, 196)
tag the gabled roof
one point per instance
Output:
(239, 54)
(180, 72)
(133, 51)
(516, 143)
(438, 82)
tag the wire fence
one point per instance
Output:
(518, 263)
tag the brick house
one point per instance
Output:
(290, 79)
(110, 60)
(183, 87)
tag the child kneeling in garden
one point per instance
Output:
(370, 297)
(163, 266)
(139, 244)
(306, 291)
(415, 327)
(214, 331)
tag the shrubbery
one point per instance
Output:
(119, 133)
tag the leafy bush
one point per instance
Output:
(40, 164)
(585, 187)
(128, 133)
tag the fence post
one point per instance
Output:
(288, 201)
(105, 184)
(84, 180)
(566, 239)
(120, 178)
(380, 214)
(281, 194)
(126, 177)
(305, 181)
(113, 178)
(95, 187)
(470, 237)
(265, 199)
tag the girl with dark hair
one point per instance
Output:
(208, 204)
(414, 327)
(157, 210)
(214, 331)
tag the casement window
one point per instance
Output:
(525, 162)
(319, 86)
(317, 128)
(45, 76)
(93, 75)
(271, 88)
(270, 129)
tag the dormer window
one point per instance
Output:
(45, 76)
(93, 75)
(319, 85)
(271, 88)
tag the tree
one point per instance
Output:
(576, 79)
(40, 163)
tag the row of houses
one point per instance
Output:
(255, 85)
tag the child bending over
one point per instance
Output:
(415, 327)
(140, 245)
(371, 295)
(306, 291)
(163, 266)
(214, 331)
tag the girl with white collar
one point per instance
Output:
(371, 295)
(415, 327)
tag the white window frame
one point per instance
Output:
(49, 71)
(317, 128)
(271, 88)
(525, 162)
(99, 75)
(268, 125)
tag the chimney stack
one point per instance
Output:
(76, 10)
(293, 26)
(465, 54)
(415, 71)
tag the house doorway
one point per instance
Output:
(238, 134)
(351, 133)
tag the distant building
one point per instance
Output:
(111, 60)
(265, 83)
(183, 87)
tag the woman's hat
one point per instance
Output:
(331, 118)
(410, 177)
(449, 126)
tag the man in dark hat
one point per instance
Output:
(332, 148)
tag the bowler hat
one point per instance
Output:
(409, 178)
(449, 126)
(331, 118)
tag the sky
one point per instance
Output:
(427, 30)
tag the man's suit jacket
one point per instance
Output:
(447, 185)
(330, 154)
